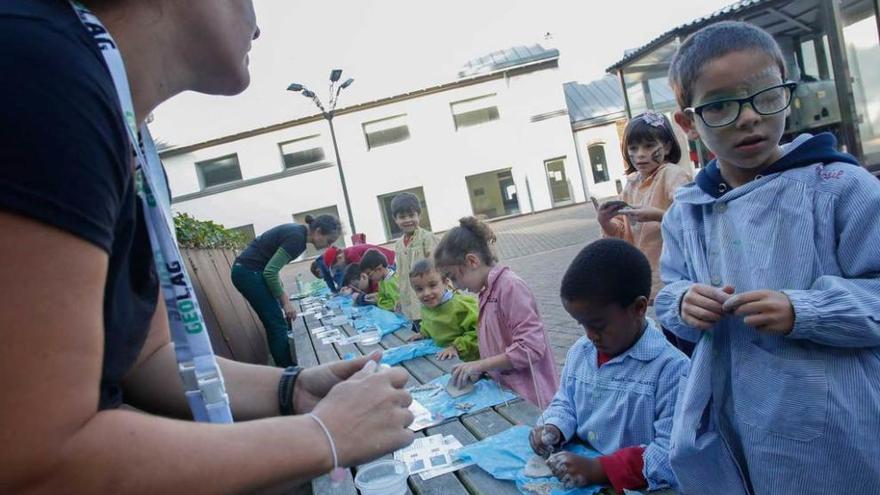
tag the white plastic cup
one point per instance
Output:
(387, 477)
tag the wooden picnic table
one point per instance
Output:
(468, 428)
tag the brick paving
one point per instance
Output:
(538, 247)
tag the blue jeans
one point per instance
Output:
(253, 287)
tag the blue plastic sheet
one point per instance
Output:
(434, 397)
(505, 455)
(406, 352)
(372, 317)
(340, 302)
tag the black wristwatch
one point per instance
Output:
(285, 389)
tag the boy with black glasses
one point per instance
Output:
(772, 267)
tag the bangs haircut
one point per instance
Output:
(422, 267)
(405, 203)
(712, 42)
(638, 131)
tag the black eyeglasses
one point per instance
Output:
(768, 101)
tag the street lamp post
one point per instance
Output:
(328, 112)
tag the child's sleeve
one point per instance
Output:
(562, 411)
(466, 344)
(624, 468)
(430, 245)
(675, 275)
(388, 294)
(529, 341)
(844, 311)
(657, 470)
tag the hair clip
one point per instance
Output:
(653, 118)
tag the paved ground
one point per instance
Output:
(539, 248)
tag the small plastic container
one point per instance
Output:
(371, 338)
(387, 477)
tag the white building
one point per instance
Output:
(598, 117)
(496, 142)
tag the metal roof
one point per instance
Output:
(687, 27)
(596, 102)
(509, 57)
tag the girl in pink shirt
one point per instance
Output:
(514, 347)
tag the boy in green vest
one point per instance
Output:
(449, 318)
(374, 265)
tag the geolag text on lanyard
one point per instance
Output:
(197, 365)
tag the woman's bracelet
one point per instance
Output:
(329, 438)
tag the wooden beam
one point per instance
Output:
(782, 15)
(849, 132)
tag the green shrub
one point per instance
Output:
(205, 234)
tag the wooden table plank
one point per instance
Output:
(520, 412)
(323, 354)
(485, 423)
(473, 477)
(326, 352)
(302, 344)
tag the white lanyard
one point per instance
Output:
(202, 380)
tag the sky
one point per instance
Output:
(395, 46)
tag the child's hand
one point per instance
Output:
(574, 471)
(646, 214)
(371, 298)
(464, 373)
(545, 439)
(414, 337)
(609, 210)
(448, 353)
(767, 310)
(701, 306)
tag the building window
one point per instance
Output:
(392, 231)
(386, 131)
(301, 152)
(493, 194)
(218, 171)
(475, 111)
(247, 231)
(598, 163)
(300, 218)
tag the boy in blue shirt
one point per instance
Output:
(620, 381)
(771, 263)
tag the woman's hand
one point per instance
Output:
(314, 383)
(367, 415)
(289, 310)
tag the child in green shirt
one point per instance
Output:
(449, 318)
(374, 265)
